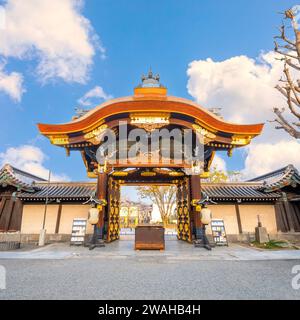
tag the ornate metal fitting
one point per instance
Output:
(198, 208)
(195, 202)
(229, 152)
(103, 203)
(102, 168)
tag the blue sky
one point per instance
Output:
(166, 35)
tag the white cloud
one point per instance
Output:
(11, 83)
(30, 159)
(96, 93)
(2, 18)
(265, 157)
(244, 89)
(219, 164)
(53, 31)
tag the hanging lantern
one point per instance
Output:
(205, 215)
(93, 217)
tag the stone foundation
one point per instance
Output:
(250, 236)
(52, 238)
(34, 238)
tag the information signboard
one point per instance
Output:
(219, 232)
(78, 231)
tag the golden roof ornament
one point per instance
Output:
(150, 80)
(150, 85)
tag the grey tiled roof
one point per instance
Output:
(61, 190)
(77, 191)
(287, 176)
(263, 188)
(22, 180)
(237, 190)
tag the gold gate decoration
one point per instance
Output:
(183, 211)
(113, 231)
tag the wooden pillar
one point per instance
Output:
(102, 195)
(16, 218)
(58, 218)
(288, 212)
(238, 218)
(8, 213)
(195, 187)
(2, 221)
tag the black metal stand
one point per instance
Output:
(97, 238)
(201, 239)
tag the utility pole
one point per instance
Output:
(42, 237)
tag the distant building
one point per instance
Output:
(133, 213)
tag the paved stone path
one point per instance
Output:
(60, 271)
(175, 250)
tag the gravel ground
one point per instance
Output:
(147, 277)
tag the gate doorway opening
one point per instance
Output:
(182, 215)
(148, 205)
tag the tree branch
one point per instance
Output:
(284, 124)
(283, 36)
(289, 62)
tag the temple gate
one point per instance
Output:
(149, 110)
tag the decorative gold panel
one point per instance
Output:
(148, 174)
(113, 210)
(241, 141)
(94, 136)
(149, 121)
(59, 139)
(204, 132)
(184, 231)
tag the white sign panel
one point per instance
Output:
(219, 232)
(78, 231)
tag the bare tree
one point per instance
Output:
(289, 49)
(163, 196)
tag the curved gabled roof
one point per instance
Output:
(275, 180)
(17, 178)
(150, 103)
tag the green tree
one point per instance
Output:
(219, 176)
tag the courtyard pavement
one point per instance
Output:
(60, 271)
(175, 250)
